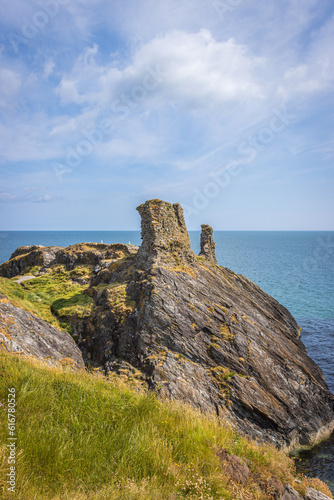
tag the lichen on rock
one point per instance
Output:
(196, 331)
(207, 244)
(164, 232)
(25, 334)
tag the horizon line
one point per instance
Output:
(138, 230)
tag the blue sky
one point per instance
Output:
(225, 106)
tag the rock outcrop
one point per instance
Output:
(234, 466)
(312, 494)
(290, 493)
(207, 244)
(23, 333)
(89, 254)
(200, 333)
(27, 257)
(164, 234)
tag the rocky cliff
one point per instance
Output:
(193, 330)
(25, 334)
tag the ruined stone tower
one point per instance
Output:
(207, 244)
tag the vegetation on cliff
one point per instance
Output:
(82, 436)
(52, 296)
(194, 330)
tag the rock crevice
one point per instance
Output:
(23, 333)
(198, 332)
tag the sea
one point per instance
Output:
(296, 268)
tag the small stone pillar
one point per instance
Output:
(207, 244)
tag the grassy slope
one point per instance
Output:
(81, 436)
(51, 295)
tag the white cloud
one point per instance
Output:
(27, 141)
(192, 69)
(83, 84)
(210, 90)
(138, 144)
(10, 83)
(201, 70)
(49, 66)
(7, 197)
(24, 198)
(316, 72)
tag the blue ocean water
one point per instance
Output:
(296, 268)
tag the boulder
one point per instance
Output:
(312, 494)
(27, 257)
(290, 493)
(234, 466)
(23, 333)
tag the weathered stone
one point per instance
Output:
(312, 494)
(82, 254)
(207, 244)
(234, 466)
(199, 333)
(290, 493)
(275, 488)
(21, 332)
(26, 257)
(164, 233)
(26, 249)
(93, 254)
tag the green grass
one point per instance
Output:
(25, 299)
(32, 270)
(80, 436)
(78, 305)
(50, 296)
(117, 299)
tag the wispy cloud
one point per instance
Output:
(181, 88)
(10, 83)
(26, 197)
(193, 69)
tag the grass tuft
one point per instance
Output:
(81, 436)
(51, 297)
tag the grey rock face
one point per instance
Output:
(90, 254)
(21, 332)
(164, 232)
(199, 332)
(211, 337)
(312, 494)
(26, 249)
(207, 244)
(290, 493)
(25, 257)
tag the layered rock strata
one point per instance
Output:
(25, 334)
(200, 333)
